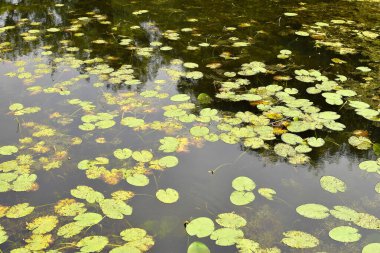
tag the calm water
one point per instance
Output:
(91, 32)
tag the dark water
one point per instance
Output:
(201, 193)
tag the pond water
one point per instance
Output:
(150, 126)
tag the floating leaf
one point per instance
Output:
(313, 211)
(133, 234)
(370, 166)
(122, 154)
(180, 98)
(70, 230)
(360, 142)
(241, 198)
(198, 247)
(332, 184)
(345, 234)
(138, 180)
(8, 150)
(92, 243)
(344, 213)
(226, 236)
(19, 211)
(371, 248)
(88, 219)
(3, 235)
(167, 196)
(87, 193)
(43, 224)
(200, 227)
(115, 209)
(231, 220)
(168, 161)
(143, 156)
(243, 184)
(299, 240)
(199, 131)
(38, 242)
(267, 193)
(315, 142)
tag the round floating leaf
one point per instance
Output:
(4, 236)
(8, 150)
(377, 187)
(69, 207)
(200, 227)
(371, 248)
(315, 142)
(267, 193)
(169, 144)
(231, 220)
(167, 196)
(87, 193)
(344, 213)
(115, 209)
(332, 184)
(42, 225)
(284, 150)
(369, 166)
(199, 131)
(291, 139)
(125, 249)
(313, 211)
(19, 211)
(132, 122)
(122, 154)
(180, 98)
(168, 161)
(226, 236)
(133, 234)
(198, 247)
(241, 198)
(92, 243)
(143, 156)
(243, 184)
(345, 234)
(299, 240)
(38, 242)
(70, 230)
(138, 180)
(88, 219)
(249, 246)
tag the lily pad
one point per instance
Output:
(345, 234)
(200, 227)
(231, 220)
(243, 184)
(198, 247)
(167, 196)
(332, 184)
(299, 240)
(313, 211)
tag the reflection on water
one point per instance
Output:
(79, 58)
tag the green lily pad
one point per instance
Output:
(143, 156)
(241, 198)
(371, 248)
(199, 131)
(344, 213)
(200, 227)
(243, 184)
(3, 235)
(313, 211)
(138, 180)
(88, 219)
(167, 196)
(198, 247)
(115, 209)
(122, 154)
(345, 234)
(226, 236)
(8, 150)
(299, 240)
(231, 220)
(267, 193)
(92, 243)
(42, 225)
(332, 184)
(87, 193)
(19, 211)
(168, 161)
(180, 98)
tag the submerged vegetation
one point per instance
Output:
(162, 126)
